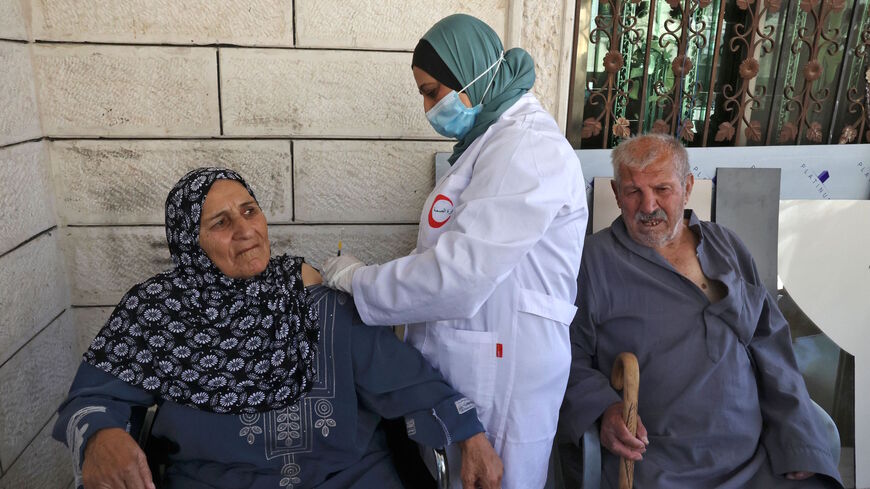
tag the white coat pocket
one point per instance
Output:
(467, 359)
(544, 359)
(546, 306)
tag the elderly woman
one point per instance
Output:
(261, 381)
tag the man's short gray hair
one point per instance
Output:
(639, 151)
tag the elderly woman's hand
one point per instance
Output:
(481, 466)
(338, 272)
(112, 460)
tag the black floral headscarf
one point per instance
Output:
(200, 338)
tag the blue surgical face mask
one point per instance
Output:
(450, 117)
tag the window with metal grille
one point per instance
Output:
(721, 72)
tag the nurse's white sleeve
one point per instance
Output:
(521, 180)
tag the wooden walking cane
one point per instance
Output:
(626, 377)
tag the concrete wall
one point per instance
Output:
(315, 105)
(311, 100)
(37, 331)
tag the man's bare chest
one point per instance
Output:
(686, 262)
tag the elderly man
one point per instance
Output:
(722, 404)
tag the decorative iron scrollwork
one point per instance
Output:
(804, 99)
(859, 103)
(680, 67)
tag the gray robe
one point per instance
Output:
(720, 392)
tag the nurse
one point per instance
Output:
(489, 291)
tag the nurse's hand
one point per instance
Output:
(616, 437)
(114, 459)
(481, 466)
(338, 272)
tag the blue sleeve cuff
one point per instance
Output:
(78, 422)
(96, 400)
(452, 420)
(804, 458)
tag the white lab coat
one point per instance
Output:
(493, 280)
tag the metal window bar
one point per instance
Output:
(721, 72)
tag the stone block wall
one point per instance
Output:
(104, 104)
(38, 350)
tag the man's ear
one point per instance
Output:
(690, 182)
(615, 191)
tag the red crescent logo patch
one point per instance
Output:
(442, 209)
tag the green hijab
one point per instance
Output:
(468, 47)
